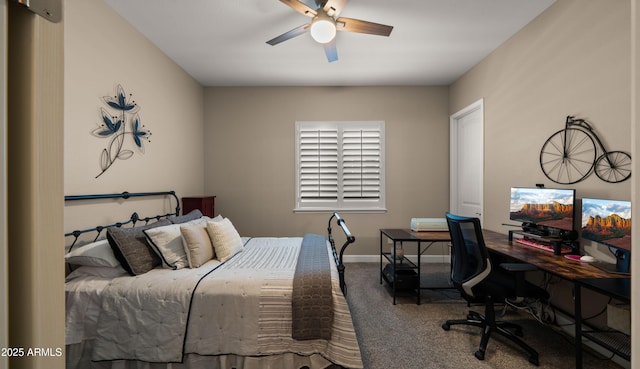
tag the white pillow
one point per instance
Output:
(167, 243)
(197, 244)
(225, 239)
(97, 253)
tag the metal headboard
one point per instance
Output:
(132, 220)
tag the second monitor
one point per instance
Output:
(608, 222)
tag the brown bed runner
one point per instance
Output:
(312, 302)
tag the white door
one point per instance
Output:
(467, 160)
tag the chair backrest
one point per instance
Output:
(470, 258)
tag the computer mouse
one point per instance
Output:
(587, 258)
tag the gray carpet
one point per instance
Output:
(410, 336)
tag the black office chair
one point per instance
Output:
(479, 281)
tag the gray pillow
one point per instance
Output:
(192, 215)
(130, 247)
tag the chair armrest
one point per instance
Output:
(518, 267)
(518, 271)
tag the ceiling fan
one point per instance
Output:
(325, 22)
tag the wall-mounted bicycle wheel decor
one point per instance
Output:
(573, 153)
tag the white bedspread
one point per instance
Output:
(241, 307)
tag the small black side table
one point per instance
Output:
(399, 235)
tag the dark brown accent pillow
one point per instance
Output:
(192, 215)
(130, 247)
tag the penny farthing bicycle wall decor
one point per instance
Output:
(573, 153)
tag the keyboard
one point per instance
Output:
(540, 246)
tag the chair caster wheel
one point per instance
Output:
(446, 326)
(479, 355)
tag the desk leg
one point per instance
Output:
(395, 271)
(381, 238)
(419, 289)
(577, 303)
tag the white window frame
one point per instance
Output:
(334, 185)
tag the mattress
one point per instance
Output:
(232, 314)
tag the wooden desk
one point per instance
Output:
(582, 275)
(557, 265)
(406, 235)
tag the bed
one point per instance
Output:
(152, 293)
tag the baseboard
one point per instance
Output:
(413, 258)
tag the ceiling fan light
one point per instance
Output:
(323, 31)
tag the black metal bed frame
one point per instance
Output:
(133, 219)
(338, 259)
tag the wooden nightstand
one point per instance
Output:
(206, 204)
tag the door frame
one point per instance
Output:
(4, 267)
(454, 147)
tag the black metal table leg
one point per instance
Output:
(578, 323)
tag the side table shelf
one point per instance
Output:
(397, 236)
(617, 342)
(614, 341)
(401, 274)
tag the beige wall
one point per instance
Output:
(249, 155)
(102, 50)
(574, 59)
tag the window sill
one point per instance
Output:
(346, 210)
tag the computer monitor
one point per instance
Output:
(538, 207)
(608, 222)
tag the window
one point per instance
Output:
(340, 166)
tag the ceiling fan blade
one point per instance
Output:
(331, 51)
(334, 7)
(289, 35)
(300, 7)
(360, 26)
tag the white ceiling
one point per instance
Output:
(223, 42)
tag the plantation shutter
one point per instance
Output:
(318, 164)
(361, 164)
(339, 166)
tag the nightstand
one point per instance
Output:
(206, 204)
